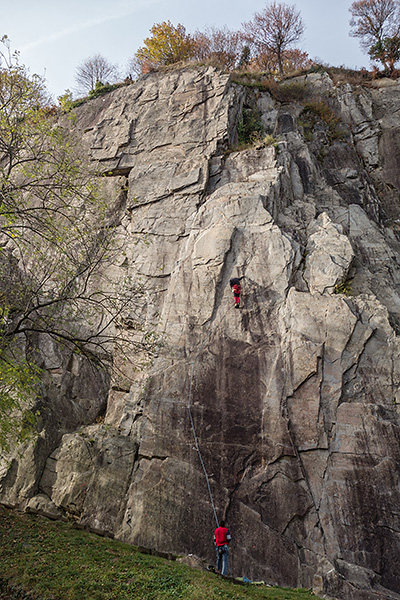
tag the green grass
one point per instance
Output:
(46, 560)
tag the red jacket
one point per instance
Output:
(222, 536)
(236, 289)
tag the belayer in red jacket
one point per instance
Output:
(222, 537)
(236, 289)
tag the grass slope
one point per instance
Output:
(49, 560)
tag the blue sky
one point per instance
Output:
(54, 37)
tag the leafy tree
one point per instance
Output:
(274, 30)
(372, 21)
(166, 45)
(56, 244)
(221, 46)
(95, 69)
(387, 52)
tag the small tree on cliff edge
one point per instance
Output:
(274, 30)
(166, 45)
(93, 70)
(377, 24)
(220, 46)
(55, 246)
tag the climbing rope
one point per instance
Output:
(196, 441)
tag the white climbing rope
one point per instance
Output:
(196, 441)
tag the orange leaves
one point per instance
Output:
(220, 46)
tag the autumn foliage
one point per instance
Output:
(265, 43)
(219, 46)
(292, 60)
(373, 20)
(166, 45)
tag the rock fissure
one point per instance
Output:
(297, 518)
(305, 477)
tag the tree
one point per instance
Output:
(245, 57)
(374, 20)
(95, 69)
(387, 52)
(293, 59)
(296, 60)
(274, 30)
(56, 243)
(221, 46)
(167, 45)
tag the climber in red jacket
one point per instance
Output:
(236, 289)
(222, 537)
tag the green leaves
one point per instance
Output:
(250, 127)
(53, 239)
(57, 249)
(19, 383)
(387, 51)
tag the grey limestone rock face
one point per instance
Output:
(294, 397)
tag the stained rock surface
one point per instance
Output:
(294, 397)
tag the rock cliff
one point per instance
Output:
(295, 397)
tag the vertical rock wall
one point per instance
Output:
(294, 397)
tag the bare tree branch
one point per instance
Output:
(374, 20)
(274, 29)
(93, 70)
(56, 243)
